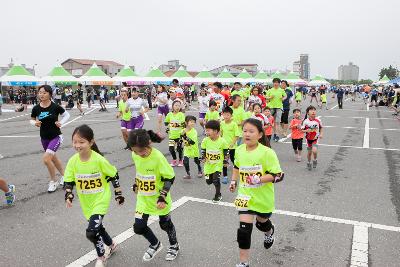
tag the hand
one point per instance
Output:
(142, 112)
(161, 205)
(253, 179)
(38, 123)
(68, 203)
(232, 186)
(58, 124)
(135, 188)
(126, 110)
(118, 115)
(120, 200)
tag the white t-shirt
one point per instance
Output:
(135, 105)
(203, 103)
(162, 96)
(219, 99)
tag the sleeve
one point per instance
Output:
(237, 130)
(60, 109)
(284, 93)
(207, 116)
(69, 173)
(165, 169)
(168, 118)
(106, 168)
(203, 144)
(236, 163)
(145, 104)
(34, 112)
(272, 163)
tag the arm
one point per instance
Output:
(187, 139)
(117, 188)
(64, 118)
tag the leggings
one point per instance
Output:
(140, 227)
(179, 148)
(232, 158)
(214, 178)
(186, 164)
(97, 234)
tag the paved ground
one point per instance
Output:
(346, 212)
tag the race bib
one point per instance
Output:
(175, 125)
(89, 183)
(242, 202)
(213, 156)
(246, 171)
(171, 142)
(146, 184)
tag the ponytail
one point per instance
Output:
(95, 148)
(142, 138)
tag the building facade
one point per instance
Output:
(302, 67)
(173, 65)
(78, 67)
(348, 72)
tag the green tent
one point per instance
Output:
(318, 80)
(261, 75)
(58, 75)
(204, 74)
(19, 76)
(244, 75)
(225, 74)
(156, 75)
(126, 72)
(278, 75)
(155, 72)
(181, 73)
(95, 76)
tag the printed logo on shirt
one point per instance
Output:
(44, 114)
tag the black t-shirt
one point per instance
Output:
(48, 116)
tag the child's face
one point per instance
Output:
(237, 102)
(256, 109)
(213, 134)
(143, 152)
(212, 108)
(177, 107)
(251, 135)
(191, 123)
(267, 112)
(312, 113)
(227, 116)
(297, 114)
(81, 145)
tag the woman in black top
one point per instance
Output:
(45, 115)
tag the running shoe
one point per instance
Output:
(200, 175)
(187, 177)
(101, 262)
(309, 167)
(225, 180)
(217, 198)
(180, 163)
(110, 250)
(269, 239)
(10, 197)
(127, 148)
(173, 163)
(172, 252)
(276, 138)
(52, 186)
(243, 264)
(314, 164)
(151, 252)
(62, 181)
(298, 158)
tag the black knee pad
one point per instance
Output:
(166, 225)
(92, 235)
(216, 181)
(265, 226)
(244, 235)
(209, 180)
(140, 229)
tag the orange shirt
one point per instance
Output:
(269, 128)
(296, 132)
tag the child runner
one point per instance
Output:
(312, 126)
(125, 116)
(323, 101)
(203, 99)
(298, 97)
(8, 190)
(175, 121)
(152, 185)
(91, 173)
(256, 169)
(190, 146)
(297, 133)
(162, 108)
(212, 113)
(257, 114)
(214, 152)
(230, 132)
(217, 97)
(269, 126)
(138, 107)
(45, 115)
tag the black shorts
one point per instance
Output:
(297, 144)
(260, 214)
(285, 116)
(374, 98)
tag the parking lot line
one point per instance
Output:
(366, 134)
(359, 247)
(15, 117)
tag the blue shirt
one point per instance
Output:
(340, 92)
(286, 102)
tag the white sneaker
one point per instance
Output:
(62, 181)
(52, 186)
(100, 262)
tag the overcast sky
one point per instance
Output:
(206, 33)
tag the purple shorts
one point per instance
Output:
(163, 110)
(137, 123)
(126, 125)
(51, 146)
(202, 115)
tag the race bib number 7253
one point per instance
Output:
(89, 183)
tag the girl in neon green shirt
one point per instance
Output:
(175, 121)
(91, 173)
(154, 178)
(190, 146)
(256, 169)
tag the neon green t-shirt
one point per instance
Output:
(276, 100)
(191, 151)
(229, 131)
(323, 98)
(176, 122)
(212, 115)
(91, 186)
(214, 154)
(260, 197)
(242, 94)
(247, 92)
(150, 172)
(239, 115)
(126, 116)
(298, 96)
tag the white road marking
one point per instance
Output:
(338, 104)
(1, 156)
(358, 147)
(366, 134)
(77, 118)
(359, 247)
(367, 107)
(146, 117)
(285, 138)
(122, 237)
(15, 117)
(357, 117)
(386, 111)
